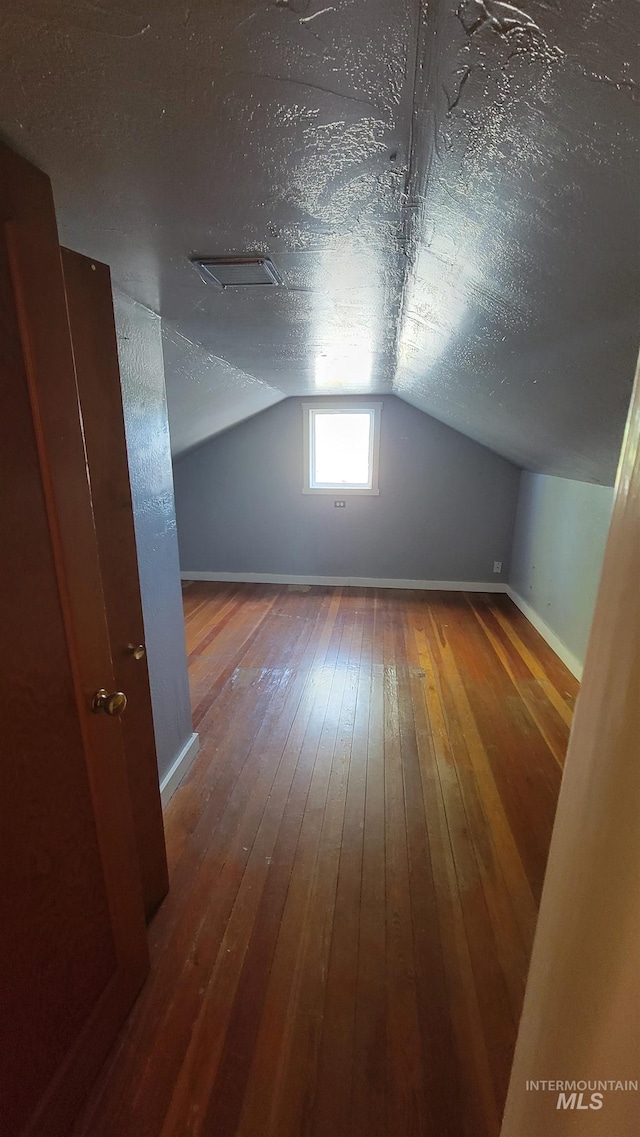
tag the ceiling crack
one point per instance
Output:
(453, 102)
(310, 86)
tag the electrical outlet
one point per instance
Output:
(497, 566)
(340, 504)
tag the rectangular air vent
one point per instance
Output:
(236, 272)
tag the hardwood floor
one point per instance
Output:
(356, 861)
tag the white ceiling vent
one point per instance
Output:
(236, 272)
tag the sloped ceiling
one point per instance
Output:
(449, 191)
(519, 321)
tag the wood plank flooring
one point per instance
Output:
(356, 861)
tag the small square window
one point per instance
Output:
(341, 446)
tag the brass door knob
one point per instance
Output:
(112, 704)
(138, 652)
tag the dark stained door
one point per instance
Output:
(73, 950)
(93, 334)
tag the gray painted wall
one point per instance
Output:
(147, 430)
(445, 510)
(558, 547)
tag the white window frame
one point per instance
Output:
(309, 411)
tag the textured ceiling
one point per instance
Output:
(519, 321)
(450, 194)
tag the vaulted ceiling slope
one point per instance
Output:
(449, 190)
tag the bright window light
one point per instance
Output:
(341, 448)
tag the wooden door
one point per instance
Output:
(93, 334)
(73, 950)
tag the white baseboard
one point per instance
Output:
(180, 767)
(568, 658)
(348, 581)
